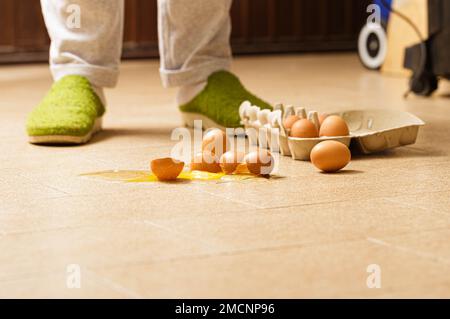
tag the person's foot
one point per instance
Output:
(217, 105)
(70, 113)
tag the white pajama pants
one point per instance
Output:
(86, 39)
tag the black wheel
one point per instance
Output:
(372, 46)
(424, 84)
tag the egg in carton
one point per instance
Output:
(264, 127)
(371, 130)
(249, 119)
(278, 137)
(284, 142)
(274, 128)
(261, 124)
(301, 148)
(297, 148)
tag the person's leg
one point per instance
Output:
(193, 40)
(195, 53)
(91, 49)
(86, 44)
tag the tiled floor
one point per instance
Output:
(304, 235)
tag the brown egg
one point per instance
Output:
(330, 156)
(322, 117)
(166, 169)
(304, 128)
(206, 161)
(260, 162)
(216, 142)
(333, 125)
(290, 120)
(230, 160)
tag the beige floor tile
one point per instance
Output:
(334, 270)
(302, 234)
(305, 225)
(16, 189)
(431, 244)
(434, 291)
(434, 201)
(139, 204)
(102, 245)
(55, 286)
(354, 184)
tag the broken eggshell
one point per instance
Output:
(260, 162)
(166, 169)
(206, 161)
(230, 161)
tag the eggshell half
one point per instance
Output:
(166, 169)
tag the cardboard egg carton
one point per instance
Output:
(370, 130)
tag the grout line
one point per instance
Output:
(235, 252)
(172, 231)
(409, 250)
(42, 184)
(40, 230)
(383, 197)
(394, 200)
(113, 285)
(249, 204)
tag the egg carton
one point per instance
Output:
(370, 130)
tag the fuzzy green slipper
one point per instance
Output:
(70, 113)
(217, 105)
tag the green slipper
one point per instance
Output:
(70, 113)
(217, 105)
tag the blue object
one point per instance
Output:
(385, 12)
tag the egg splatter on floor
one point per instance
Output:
(142, 176)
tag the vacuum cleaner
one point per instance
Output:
(429, 59)
(372, 40)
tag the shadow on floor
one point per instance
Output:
(344, 172)
(444, 95)
(401, 152)
(154, 133)
(110, 133)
